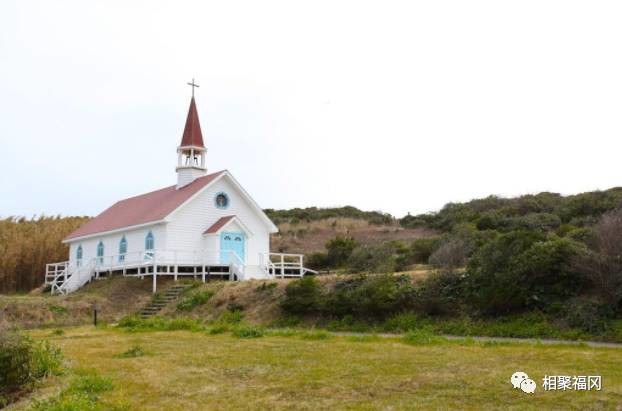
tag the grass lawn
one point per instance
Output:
(182, 370)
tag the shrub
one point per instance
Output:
(520, 270)
(587, 314)
(402, 322)
(317, 261)
(302, 296)
(231, 317)
(421, 249)
(339, 250)
(373, 259)
(194, 299)
(16, 353)
(539, 221)
(441, 293)
(450, 254)
(23, 361)
(370, 296)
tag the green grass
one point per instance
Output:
(194, 299)
(83, 393)
(197, 370)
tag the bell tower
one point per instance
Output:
(191, 151)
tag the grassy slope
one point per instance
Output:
(308, 237)
(115, 298)
(194, 371)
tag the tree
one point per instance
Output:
(602, 264)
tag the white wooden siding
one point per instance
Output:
(187, 224)
(135, 242)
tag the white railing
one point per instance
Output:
(66, 277)
(54, 270)
(283, 265)
(80, 275)
(236, 265)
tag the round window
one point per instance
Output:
(222, 201)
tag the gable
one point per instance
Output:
(227, 184)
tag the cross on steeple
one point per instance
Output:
(193, 85)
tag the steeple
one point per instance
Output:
(192, 131)
(191, 151)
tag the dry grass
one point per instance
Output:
(195, 371)
(114, 297)
(312, 236)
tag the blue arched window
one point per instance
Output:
(149, 244)
(100, 253)
(79, 256)
(122, 249)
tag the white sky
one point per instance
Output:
(392, 106)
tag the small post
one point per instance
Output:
(95, 309)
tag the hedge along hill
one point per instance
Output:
(543, 210)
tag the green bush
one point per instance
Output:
(373, 259)
(520, 270)
(24, 361)
(317, 261)
(231, 317)
(421, 249)
(441, 293)
(302, 297)
(194, 299)
(587, 314)
(339, 250)
(370, 296)
(538, 221)
(402, 322)
(16, 352)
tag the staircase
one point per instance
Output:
(160, 301)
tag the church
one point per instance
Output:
(205, 226)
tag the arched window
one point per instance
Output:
(100, 253)
(122, 249)
(149, 244)
(79, 256)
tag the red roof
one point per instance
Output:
(142, 209)
(220, 223)
(192, 131)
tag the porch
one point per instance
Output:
(65, 277)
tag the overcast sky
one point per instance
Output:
(393, 106)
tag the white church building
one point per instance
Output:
(205, 226)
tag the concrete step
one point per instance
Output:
(163, 300)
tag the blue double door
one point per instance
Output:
(231, 241)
